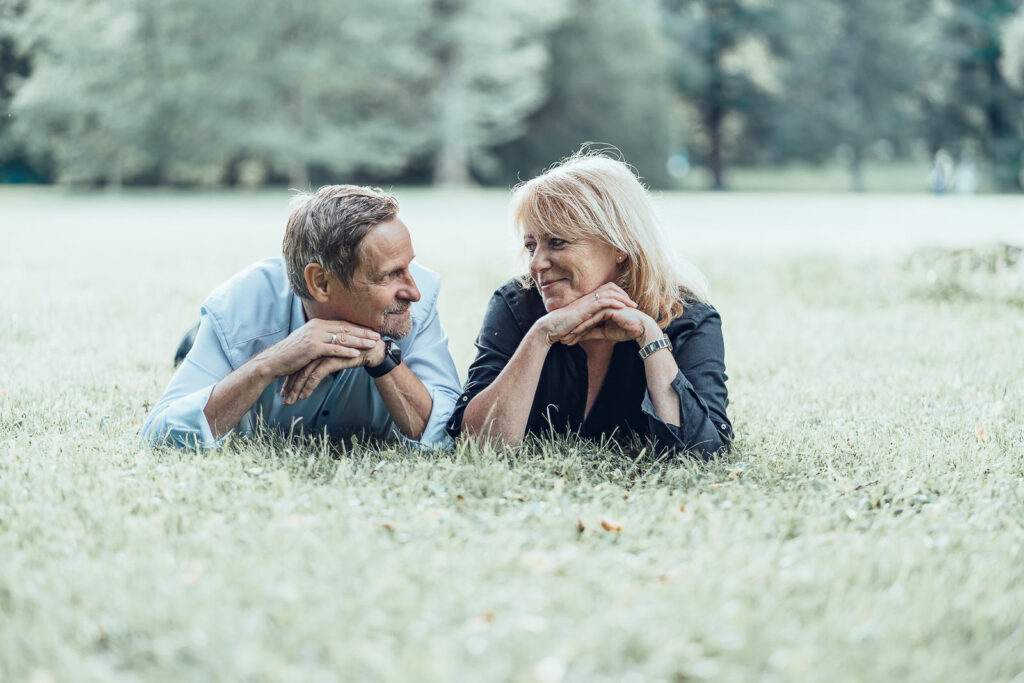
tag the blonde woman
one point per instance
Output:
(604, 336)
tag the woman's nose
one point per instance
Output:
(539, 259)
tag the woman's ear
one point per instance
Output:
(316, 281)
(621, 257)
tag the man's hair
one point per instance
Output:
(589, 195)
(327, 227)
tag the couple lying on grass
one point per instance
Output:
(604, 337)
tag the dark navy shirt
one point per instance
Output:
(623, 409)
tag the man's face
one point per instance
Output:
(382, 287)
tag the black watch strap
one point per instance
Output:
(392, 359)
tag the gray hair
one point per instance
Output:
(327, 228)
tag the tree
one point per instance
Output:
(187, 90)
(706, 36)
(848, 79)
(1013, 51)
(607, 82)
(969, 98)
(490, 59)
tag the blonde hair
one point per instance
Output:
(591, 196)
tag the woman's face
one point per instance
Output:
(565, 270)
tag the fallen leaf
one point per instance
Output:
(735, 474)
(387, 526)
(609, 525)
(580, 526)
(460, 497)
(682, 508)
(982, 434)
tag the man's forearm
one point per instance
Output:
(407, 400)
(235, 395)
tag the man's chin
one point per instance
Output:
(396, 327)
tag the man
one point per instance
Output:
(341, 335)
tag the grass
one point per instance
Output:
(867, 526)
(902, 176)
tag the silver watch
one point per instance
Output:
(655, 345)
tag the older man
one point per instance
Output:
(341, 335)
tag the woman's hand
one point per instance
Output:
(615, 324)
(559, 323)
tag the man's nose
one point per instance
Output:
(410, 292)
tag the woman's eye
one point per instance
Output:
(556, 243)
(530, 248)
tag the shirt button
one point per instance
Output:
(464, 399)
(723, 425)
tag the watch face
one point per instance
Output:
(393, 351)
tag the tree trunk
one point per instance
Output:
(856, 168)
(451, 161)
(715, 154)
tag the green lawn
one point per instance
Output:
(869, 524)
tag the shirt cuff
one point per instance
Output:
(434, 434)
(183, 424)
(696, 431)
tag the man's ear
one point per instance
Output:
(316, 282)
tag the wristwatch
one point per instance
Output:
(392, 359)
(655, 345)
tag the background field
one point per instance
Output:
(868, 525)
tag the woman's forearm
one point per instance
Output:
(660, 368)
(502, 410)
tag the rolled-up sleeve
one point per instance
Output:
(430, 360)
(704, 429)
(495, 345)
(178, 418)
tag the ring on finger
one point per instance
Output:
(334, 338)
(597, 297)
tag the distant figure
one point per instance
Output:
(605, 337)
(340, 336)
(940, 177)
(966, 173)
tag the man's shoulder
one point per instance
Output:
(255, 302)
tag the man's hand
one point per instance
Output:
(343, 343)
(561, 322)
(300, 384)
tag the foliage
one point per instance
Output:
(848, 78)
(491, 60)
(718, 47)
(205, 92)
(967, 97)
(607, 83)
(182, 91)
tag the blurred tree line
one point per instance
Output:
(225, 92)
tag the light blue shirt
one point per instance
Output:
(256, 309)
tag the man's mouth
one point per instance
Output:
(400, 311)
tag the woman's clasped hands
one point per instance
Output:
(606, 313)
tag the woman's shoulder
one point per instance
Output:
(523, 301)
(695, 314)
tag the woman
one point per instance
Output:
(604, 337)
